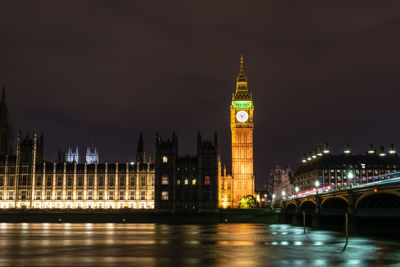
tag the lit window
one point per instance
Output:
(194, 182)
(164, 180)
(164, 159)
(69, 195)
(90, 195)
(121, 195)
(38, 180)
(69, 181)
(111, 180)
(132, 195)
(164, 195)
(111, 195)
(37, 195)
(90, 181)
(48, 195)
(142, 195)
(207, 180)
(80, 180)
(80, 195)
(133, 182)
(100, 195)
(178, 182)
(58, 195)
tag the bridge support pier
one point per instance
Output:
(315, 223)
(297, 219)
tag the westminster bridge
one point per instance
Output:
(372, 205)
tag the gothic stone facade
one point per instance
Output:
(188, 183)
(26, 181)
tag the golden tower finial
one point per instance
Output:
(241, 83)
(241, 65)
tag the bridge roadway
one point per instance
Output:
(371, 203)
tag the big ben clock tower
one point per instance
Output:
(242, 125)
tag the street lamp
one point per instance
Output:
(317, 183)
(349, 177)
(273, 197)
(296, 189)
(283, 193)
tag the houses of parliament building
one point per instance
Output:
(171, 183)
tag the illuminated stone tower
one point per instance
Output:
(242, 125)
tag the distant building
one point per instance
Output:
(92, 156)
(320, 168)
(71, 156)
(279, 184)
(186, 183)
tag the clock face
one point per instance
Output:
(242, 116)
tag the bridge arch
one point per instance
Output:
(384, 201)
(308, 206)
(334, 206)
(290, 208)
(372, 193)
(334, 197)
(308, 200)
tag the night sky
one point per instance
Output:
(319, 72)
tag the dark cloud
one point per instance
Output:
(106, 70)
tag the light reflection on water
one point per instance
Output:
(70, 244)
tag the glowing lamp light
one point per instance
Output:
(273, 196)
(350, 175)
(317, 183)
(296, 189)
(283, 193)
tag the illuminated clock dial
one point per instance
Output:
(242, 116)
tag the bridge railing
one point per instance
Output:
(355, 183)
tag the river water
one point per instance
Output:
(45, 244)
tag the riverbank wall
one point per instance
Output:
(140, 216)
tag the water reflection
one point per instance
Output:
(88, 244)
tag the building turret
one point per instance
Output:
(140, 154)
(6, 137)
